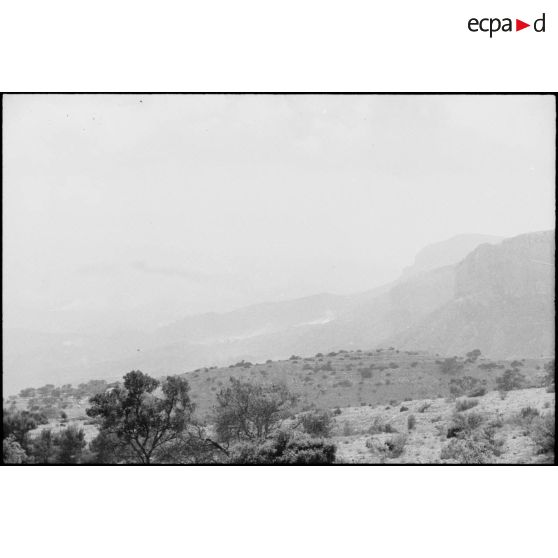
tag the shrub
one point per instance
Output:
(473, 355)
(543, 433)
(511, 379)
(365, 373)
(460, 386)
(396, 445)
(549, 379)
(285, 449)
(414, 363)
(403, 409)
(463, 424)
(343, 383)
(423, 407)
(528, 413)
(477, 392)
(389, 448)
(451, 366)
(465, 404)
(337, 411)
(380, 425)
(473, 447)
(411, 422)
(317, 423)
(12, 452)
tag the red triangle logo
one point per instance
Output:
(519, 25)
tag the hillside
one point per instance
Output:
(364, 390)
(496, 298)
(447, 252)
(357, 378)
(501, 303)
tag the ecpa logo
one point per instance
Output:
(493, 25)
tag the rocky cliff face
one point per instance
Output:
(447, 252)
(503, 303)
(519, 267)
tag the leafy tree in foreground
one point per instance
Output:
(71, 443)
(143, 415)
(19, 423)
(12, 452)
(248, 411)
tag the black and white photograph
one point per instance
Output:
(278, 279)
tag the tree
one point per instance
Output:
(144, 414)
(42, 447)
(511, 379)
(473, 355)
(12, 452)
(249, 411)
(71, 443)
(19, 423)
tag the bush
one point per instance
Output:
(411, 422)
(550, 377)
(12, 452)
(473, 447)
(465, 404)
(380, 425)
(343, 383)
(477, 392)
(473, 355)
(511, 379)
(543, 433)
(285, 449)
(463, 424)
(365, 373)
(403, 409)
(389, 448)
(528, 413)
(461, 386)
(317, 424)
(451, 366)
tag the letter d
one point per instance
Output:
(535, 25)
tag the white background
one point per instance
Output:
(274, 46)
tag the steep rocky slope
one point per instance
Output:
(503, 303)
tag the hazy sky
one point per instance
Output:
(145, 208)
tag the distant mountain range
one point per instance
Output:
(472, 291)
